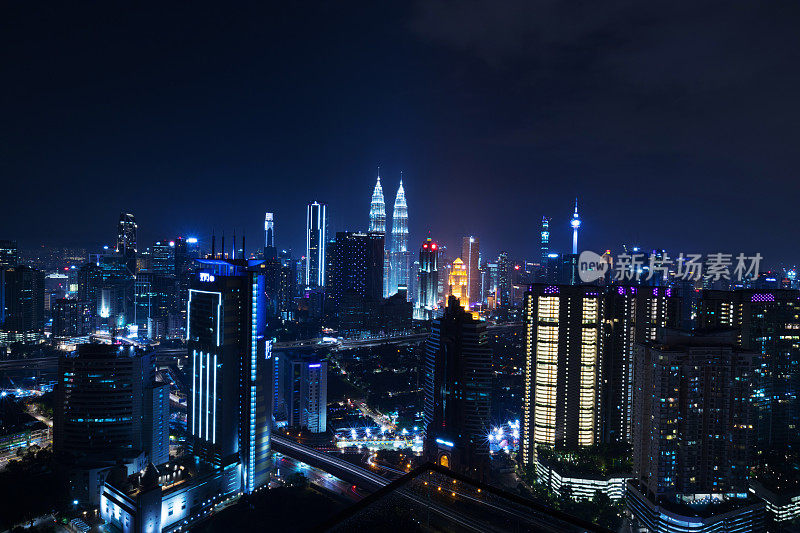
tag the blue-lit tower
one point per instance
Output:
(316, 239)
(377, 224)
(377, 209)
(575, 223)
(400, 263)
(545, 239)
(269, 230)
(229, 407)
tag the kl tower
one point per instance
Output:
(575, 223)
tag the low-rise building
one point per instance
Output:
(579, 487)
(167, 497)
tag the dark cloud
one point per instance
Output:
(676, 123)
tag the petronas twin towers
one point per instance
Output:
(397, 260)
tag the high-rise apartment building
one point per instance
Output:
(229, 402)
(693, 434)
(457, 385)
(427, 301)
(769, 325)
(563, 349)
(316, 241)
(632, 315)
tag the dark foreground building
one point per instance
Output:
(458, 382)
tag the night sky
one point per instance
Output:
(676, 124)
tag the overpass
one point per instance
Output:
(31, 363)
(362, 477)
(330, 463)
(485, 510)
(344, 344)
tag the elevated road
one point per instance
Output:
(364, 478)
(344, 344)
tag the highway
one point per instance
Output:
(363, 476)
(287, 466)
(490, 515)
(31, 363)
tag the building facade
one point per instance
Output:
(563, 372)
(457, 386)
(316, 241)
(427, 301)
(229, 407)
(301, 391)
(470, 255)
(693, 431)
(769, 325)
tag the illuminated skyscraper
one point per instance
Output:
(126, 234)
(377, 224)
(269, 231)
(458, 388)
(162, 257)
(400, 258)
(457, 282)
(377, 209)
(316, 239)
(545, 239)
(470, 254)
(126, 241)
(355, 278)
(503, 280)
(229, 407)
(562, 367)
(575, 223)
(428, 283)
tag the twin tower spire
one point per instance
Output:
(397, 260)
(377, 215)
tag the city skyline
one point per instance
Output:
(524, 266)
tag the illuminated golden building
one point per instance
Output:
(458, 282)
